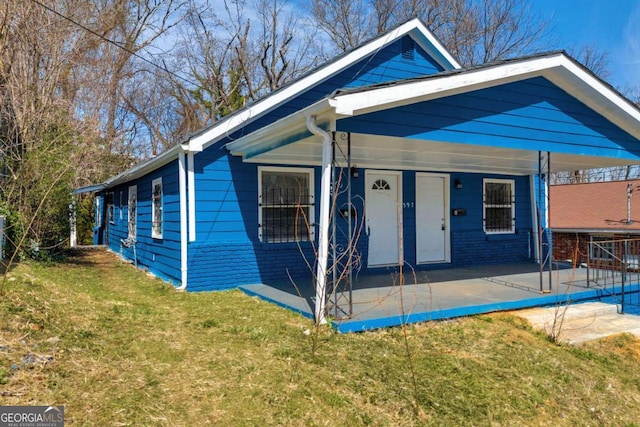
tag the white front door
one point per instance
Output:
(432, 218)
(383, 205)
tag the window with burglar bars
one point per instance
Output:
(132, 205)
(156, 208)
(286, 201)
(499, 206)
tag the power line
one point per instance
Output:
(118, 45)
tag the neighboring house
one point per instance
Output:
(593, 212)
(444, 168)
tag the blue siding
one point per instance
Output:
(228, 253)
(470, 245)
(159, 256)
(532, 115)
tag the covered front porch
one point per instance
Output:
(383, 300)
(439, 173)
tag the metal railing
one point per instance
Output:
(614, 266)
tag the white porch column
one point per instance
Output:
(323, 238)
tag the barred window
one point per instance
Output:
(110, 209)
(132, 205)
(156, 208)
(286, 204)
(499, 206)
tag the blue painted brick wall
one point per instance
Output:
(217, 265)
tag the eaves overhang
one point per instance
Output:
(89, 189)
(556, 67)
(414, 27)
(287, 141)
(285, 131)
(136, 171)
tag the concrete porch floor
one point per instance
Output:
(381, 301)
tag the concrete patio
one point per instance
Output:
(382, 300)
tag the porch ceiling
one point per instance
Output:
(383, 152)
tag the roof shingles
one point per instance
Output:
(595, 206)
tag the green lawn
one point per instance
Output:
(116, 347)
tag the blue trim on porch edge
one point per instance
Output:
(385, 322)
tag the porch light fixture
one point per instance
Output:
(354, 172)
(458, 184)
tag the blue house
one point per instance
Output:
(392, 154)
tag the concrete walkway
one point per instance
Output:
(578, 323)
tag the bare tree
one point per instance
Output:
(474, 31)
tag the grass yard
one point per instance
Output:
(116, 347)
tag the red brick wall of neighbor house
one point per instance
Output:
(565, 244)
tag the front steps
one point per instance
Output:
(581, 322)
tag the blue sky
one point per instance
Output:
(611, 25)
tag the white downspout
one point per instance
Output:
(182, 184)
(323, 238)
(191, 185)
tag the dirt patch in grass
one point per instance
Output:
(117, 347)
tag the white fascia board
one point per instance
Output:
(262, 106)
(144, 167)
(599, 96)
(557, 68)
(438, 87)
(286, 126)
(438, 51)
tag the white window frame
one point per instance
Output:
(121, 207)
(98, 210)
(156, 227)
(132, 211)
(111, 208)
(311, 205)
(511, 205)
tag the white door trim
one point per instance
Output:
(447, 217)
(399, 206)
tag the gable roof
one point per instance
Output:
(556, 67)
(201, 139)
(596, 206)
(415, 28)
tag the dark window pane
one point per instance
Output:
(285, 224)
(497, 193)
(498, 219)
(284, 188)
